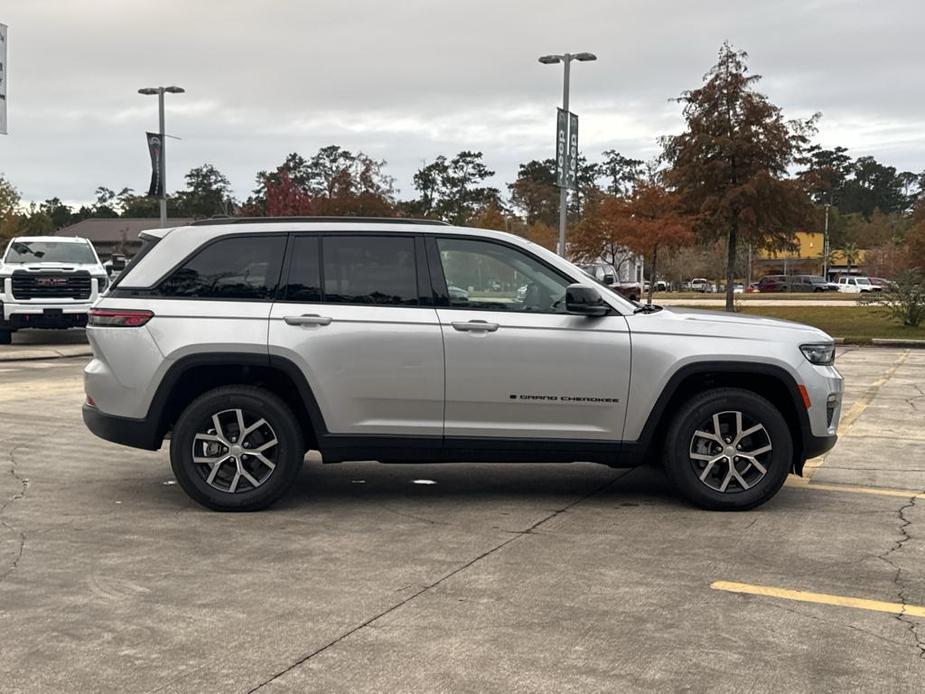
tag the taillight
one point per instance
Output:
(119, 318)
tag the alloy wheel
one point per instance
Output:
(729, 453)
(235, 451)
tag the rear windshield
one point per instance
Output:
(49, 252)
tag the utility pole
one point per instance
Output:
(566, 59)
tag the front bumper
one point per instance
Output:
(45, 314)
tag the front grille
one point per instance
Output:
(51, 285)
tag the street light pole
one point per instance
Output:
(566, 59)
(825, 245)
(563, 191)
(162, 168)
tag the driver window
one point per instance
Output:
(492, 277)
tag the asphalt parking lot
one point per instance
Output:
(460, 578)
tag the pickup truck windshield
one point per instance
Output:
(49, 252)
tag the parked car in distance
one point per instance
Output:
(884, 284)
(856, 285)
(773, 283)
(339, 336)
(738, 288)
(48, 282)
(810, 283)
(752, 288)
(700, 284)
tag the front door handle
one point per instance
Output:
(475, 326)
(308, 319)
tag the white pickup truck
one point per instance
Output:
(48, 282)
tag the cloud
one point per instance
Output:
(410, 79)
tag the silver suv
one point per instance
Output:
(249, 342)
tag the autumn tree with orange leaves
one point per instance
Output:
(646, 221)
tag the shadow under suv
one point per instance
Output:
(249, 342)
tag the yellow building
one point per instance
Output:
(805, 258)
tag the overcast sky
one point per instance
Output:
(406, 80)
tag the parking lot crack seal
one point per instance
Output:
(430, 586)
(20, 535)
(897, 576)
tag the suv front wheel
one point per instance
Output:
(728, 450)
(236, 448)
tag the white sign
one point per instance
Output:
(3, 79)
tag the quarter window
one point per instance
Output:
(370, 270)
(232, 268)
(493, 277)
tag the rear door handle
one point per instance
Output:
(308, 319)
(475, 326)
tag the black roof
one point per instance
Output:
(316, 220)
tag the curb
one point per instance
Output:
(37, 355)
(883, 342)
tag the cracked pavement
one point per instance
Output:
(498, 578)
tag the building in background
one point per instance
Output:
(116, 234)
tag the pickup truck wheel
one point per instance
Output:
(728, 450)
(236, 448)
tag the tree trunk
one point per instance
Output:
(652, 274)
(730, 265)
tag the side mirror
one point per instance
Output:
(608, 279)
(584, 301)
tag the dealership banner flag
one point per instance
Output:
(155, 149)
(572, 157)
(3, 78)
(561, 148)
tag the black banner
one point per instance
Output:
(155, 149)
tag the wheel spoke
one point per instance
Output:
(738, 426)
(738, 477)
(757, 451)
(213, 472)
(246, 475)
(217, 423)
(758, 466)
(210, 461)
(717, 428)
(726, 479)
(234, 483)
(263, 459)
(239, 415)
(749, 432)
(211, 438)
(707, 435)
(264, 446)
(253, 427)
(709, 467)
(702, 456)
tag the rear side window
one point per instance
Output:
(369, 270)
(232, 268)
(304, 283)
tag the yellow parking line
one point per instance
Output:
(803, 483)
(820, 598)
(857, 409)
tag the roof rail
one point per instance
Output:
(315, 220)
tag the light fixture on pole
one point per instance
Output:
(566, 59)
(162, 161)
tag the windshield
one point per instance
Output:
(49, 252)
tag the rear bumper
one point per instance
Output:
(137, 433)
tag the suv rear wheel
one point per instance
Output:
(728, 450)
(236, 448)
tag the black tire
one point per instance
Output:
(685, 472)
(255, 404)
(6, 336)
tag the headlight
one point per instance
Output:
(822, 354)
